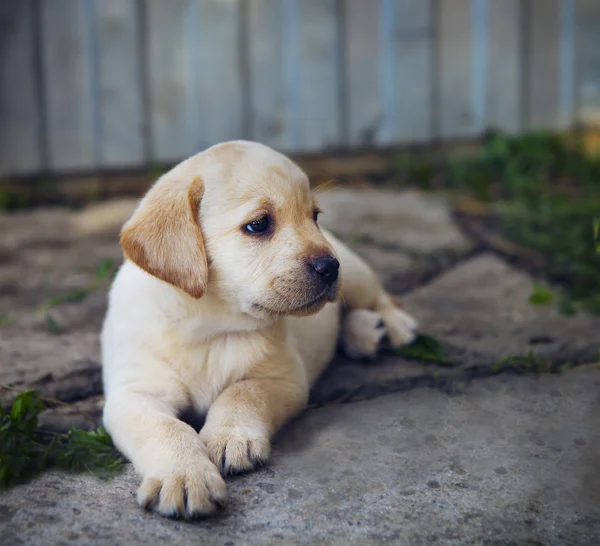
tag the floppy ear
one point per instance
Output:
(163, 236)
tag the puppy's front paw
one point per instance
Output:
(188, 489)
(236, 448)
(362, 332)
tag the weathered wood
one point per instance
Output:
(120, 93)
(505, 46)
(195, 78)
(413, 70)
(213, 46)
(67, 48)
(405, 72)
(587, 30)
(268, 122)
(169, 79)
(413, 14)
(543, 65)
(362, 72)
(19, 109)
(457, 117)
(318, 117)
(116, 89)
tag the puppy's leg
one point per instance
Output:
(244, 417)
(362, 290)
(178, 478)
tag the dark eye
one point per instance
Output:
(316, 214)
(258, 226)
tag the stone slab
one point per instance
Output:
(408, 220)
(508, 461)
(481, 308)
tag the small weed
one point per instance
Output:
(540, 295)
(523, 364)
(104, 273)
(72, 296)
(25, 451)
(52, 325)
(105, 269)
(6, 320)
(12, 200)
(425, 348)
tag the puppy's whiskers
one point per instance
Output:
(329, 185)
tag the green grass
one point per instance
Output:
(429, 350)
(424, 347)
(544, 192)
(540, 295)
(25, 450)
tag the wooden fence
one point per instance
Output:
(87, 85)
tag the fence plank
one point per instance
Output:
(68, 73)
(195, 86)
(268, 121)
(587, 29)
(19, 111)
(318, 119)
(169, 79)
(414, 43)
(457, 117)
(543, 89)
(503, 92)
(405, 81)
(413, 14)
(214, 49)
(120, 94)
(363, 72)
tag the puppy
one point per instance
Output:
(227, 304)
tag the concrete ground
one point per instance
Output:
(417, 453)
(505, 461)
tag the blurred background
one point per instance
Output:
(91, 85)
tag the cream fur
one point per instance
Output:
(204, 316)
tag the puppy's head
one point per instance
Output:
(237, 220)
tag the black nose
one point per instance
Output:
(327, 267)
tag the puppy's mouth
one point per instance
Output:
(307, 307)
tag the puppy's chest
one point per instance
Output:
(206, 369)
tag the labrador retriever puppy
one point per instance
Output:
(230, 302)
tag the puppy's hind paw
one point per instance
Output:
(401, 327)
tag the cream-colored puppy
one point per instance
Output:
(226, 304)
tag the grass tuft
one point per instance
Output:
(540, 295)
(25, 450)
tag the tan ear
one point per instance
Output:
(163, 236)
